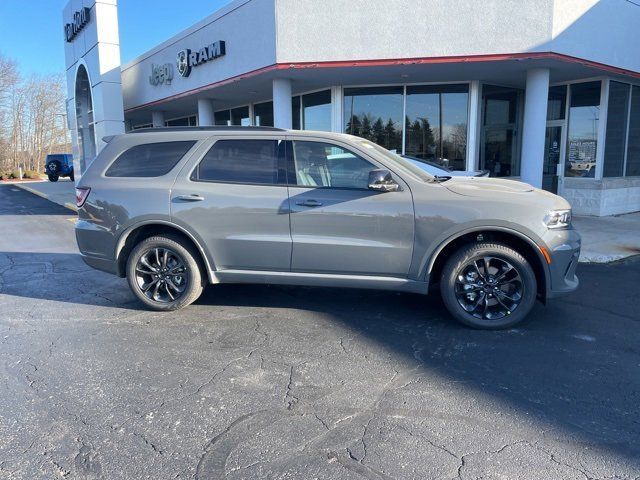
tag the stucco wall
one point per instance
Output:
(248, 29)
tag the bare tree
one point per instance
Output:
(31, 118)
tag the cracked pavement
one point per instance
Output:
(283, 382)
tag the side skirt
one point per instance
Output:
(319, 280)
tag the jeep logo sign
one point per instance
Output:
(186, 59)
(80, 19)
(161, 74)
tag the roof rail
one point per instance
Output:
(217, 128)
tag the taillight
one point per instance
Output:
(81, 195)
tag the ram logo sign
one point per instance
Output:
(187, 59)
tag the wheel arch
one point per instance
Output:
(136, 233)
(512, 238)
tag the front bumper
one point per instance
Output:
(564, 250)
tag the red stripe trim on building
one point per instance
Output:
(499, 57)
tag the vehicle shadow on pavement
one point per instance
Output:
(571, 367)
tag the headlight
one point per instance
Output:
(558, 219)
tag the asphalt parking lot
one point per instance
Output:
(301, 383)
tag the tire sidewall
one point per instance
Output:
(53, 178)
(195, 281)
(465, 255)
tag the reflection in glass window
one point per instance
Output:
(499, 150)
(316, 111)
(375, 113)
(149, 159)
(436, 124)
(616, 135)
(582, 140)
(240, 116)
(182, 122)
(263, 113)
(240, 161)
(320, 164)
(557, 102)
(633, 146)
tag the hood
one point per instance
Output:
(485, 187)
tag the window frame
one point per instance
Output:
(281, 162)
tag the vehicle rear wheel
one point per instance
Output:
(53, 178)
(164, 274)
(488, 286)
(72, 177)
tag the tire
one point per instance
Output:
(72, 177)
(53, 178)
(504, 296)
(192, 281)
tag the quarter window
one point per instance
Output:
(149, 160)
(319, 164)
(240, 161)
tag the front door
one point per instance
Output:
(552, 158)
(235, 200)
(338, 225)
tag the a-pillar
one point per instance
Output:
(282, 117)
(535, 124)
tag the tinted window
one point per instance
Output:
(633, 147)
(240, 161)
(316, 111)
(149, 160)
(325, 165)
(616, 135)
(582, 142)
(263, 113)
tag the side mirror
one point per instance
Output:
(382, 181)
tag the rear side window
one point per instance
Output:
(149, 160)
(242, 161)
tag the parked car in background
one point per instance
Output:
(175, 209)
(59, 165)
(438, 170)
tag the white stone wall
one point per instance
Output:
(97, 47)
(611, 196)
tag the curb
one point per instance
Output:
(68, 205)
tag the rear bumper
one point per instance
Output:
(95, 245)
(564, 250)
(102, 264)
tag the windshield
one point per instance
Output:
(398, 160)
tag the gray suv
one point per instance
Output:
(175, 209)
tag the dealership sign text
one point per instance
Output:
(187, 59)
(161, 74)
(80, 19)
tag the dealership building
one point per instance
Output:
(546, 91)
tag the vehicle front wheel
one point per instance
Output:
(488, 286)
(53, 178)
(164, 273)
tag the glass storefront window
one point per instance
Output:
(500, 147)
(222, 118)
(616, 135)
(263, 113)
(436, 124)
(375, 113)
(240, 116)
(295, 113)
(633, 146)
(557, 102)
(316, 111)
(189, 121)
(582, 138)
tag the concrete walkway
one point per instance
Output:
(604, 239)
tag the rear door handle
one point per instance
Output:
(310, 203)
(190, 198)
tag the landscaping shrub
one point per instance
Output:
(32, 174)
(15, 174)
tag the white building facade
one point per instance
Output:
(546, 91)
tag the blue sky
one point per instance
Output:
(31, 30)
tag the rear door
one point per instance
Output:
(338, 225)
(234, 198)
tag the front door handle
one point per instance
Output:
(190, 198)
(309, 203)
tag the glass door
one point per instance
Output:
(553, 148)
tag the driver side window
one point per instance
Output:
(319, 164)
